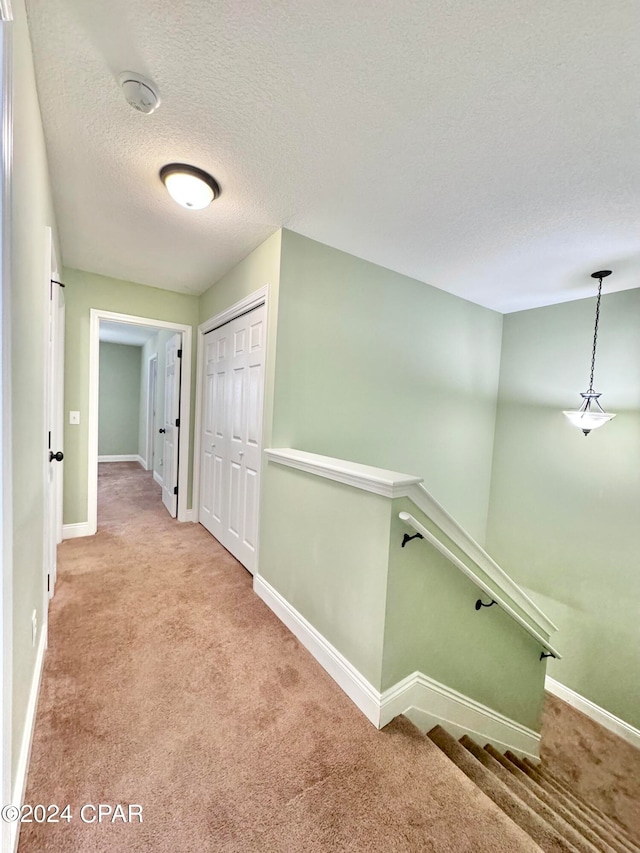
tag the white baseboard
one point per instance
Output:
(428, 703)
(76, 531)
(357, 688)
(131, 457)
(604, 718)
(190, 515)
(158, 478)
(424, 701)
(22, 769)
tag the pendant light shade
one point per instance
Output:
(191, 187)
(591, 415)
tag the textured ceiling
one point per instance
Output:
(487, 147)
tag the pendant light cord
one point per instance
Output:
(595, 336)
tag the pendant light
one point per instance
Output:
(191, 187)
(591, 415)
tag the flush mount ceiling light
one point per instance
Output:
(190, 187)
(586, 417)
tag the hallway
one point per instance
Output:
(169, 684)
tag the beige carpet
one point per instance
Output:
(557, 819)
(595, 764)
(169, 684)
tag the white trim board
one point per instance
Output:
(428, 703)
(95, 315)
(131, 457)
(425, 701)
(595, 712)
(77, 531)
(380, 481)
(158, 479)
(22, 769)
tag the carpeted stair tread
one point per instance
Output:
(604, 826)
(544, 835)
(538, 802)
(573, 814)
(610, 823)
(608, 820)
(575, 805)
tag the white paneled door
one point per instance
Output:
(231, 433)
(171, 427)
(55, 420)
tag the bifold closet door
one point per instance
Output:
(231, 434)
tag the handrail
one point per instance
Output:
(391, 484)
(408, 519)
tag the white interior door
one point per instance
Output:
(231, 434)
(55, 426)
(171, 426)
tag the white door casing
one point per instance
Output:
(54, 394)
(95, 316)
(231, 433)
(171, 424)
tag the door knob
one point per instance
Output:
(241, 453)
(161, 430)
(59, 456)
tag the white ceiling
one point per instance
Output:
(487, 147)
(125, 333)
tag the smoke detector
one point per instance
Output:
(140, 92)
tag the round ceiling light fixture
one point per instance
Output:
(191, 187)
(140, 92)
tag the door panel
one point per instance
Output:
(171, 424)
(250, 508)
(232, 432)
(235, 498)
(55, 398)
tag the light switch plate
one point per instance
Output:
(74, 417)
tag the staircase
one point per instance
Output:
(537, 801)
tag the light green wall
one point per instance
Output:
(432, 626)
(31, 211)
(324, 547)
(85, 291)
(334, 553)
(564, 508)
(119, 400)
(378, 368)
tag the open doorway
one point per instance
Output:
(139, 404)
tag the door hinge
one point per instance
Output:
(48, 583)
(175, 490)
(177, 422)
(179, 353)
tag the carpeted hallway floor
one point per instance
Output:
(169, 684)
